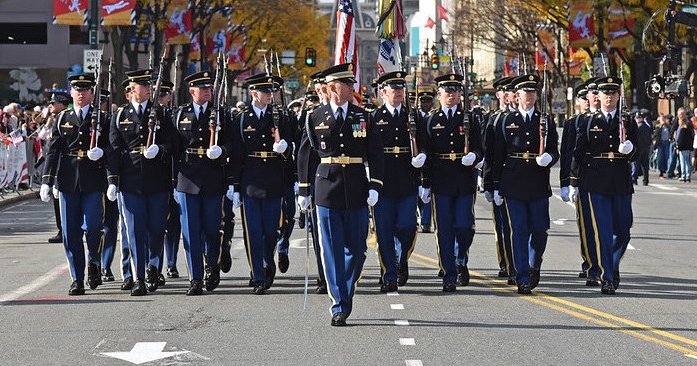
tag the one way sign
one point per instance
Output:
(90, 60)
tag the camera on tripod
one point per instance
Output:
(670, 87)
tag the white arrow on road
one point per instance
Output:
(144, 352)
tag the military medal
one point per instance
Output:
(364, 133)
(355, 131)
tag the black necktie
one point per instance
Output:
(450, 115)
(140, 111)
(261, 115)
(396, 114)
(340, 115)
(527, 118)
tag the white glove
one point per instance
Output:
(236, 202)
(151, 152)
(230, 192)
(469, 159)
(489, 196)
(565, 194)
(45, 192)
(425, 194)
(280, 147)
(573, 193)
(296, 187)
(111, 193)
(303, 202)
(498, 200)
(95, 153)
(214, 152)
(626, 147)
(544, 160)
(372, 197)
(175, 196)
(418, 161)
(480, 164)
(55, 192)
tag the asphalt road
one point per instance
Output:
(651, 321)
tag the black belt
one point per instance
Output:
(397, 150)
(610, 155)
(263, 154)
(78, 154)
(525, 155)
(451, 156)
(200, 151)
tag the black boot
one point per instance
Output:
(56, 239)
(76, 288)
(151, 278)
(212, 277)
(463, 275)
(94, 276)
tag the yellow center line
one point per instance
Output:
(547, 300)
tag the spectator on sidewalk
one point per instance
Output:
(694, 144)
(643, 149)
(684, 140)
(661, 138)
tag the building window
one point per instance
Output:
(23, 33)
(79, 35)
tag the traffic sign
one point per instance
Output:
(292, 84)
(288, 57)
(90, 60)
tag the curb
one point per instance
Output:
(19, 198)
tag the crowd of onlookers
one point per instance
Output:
(674, 145)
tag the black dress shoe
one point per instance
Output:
(151, 278)
(269, 275)
(260, 288)
(212, 278)
(425, 229)
(321, 288)
(389, 286)
(302, 220)
(56, 239)
(511, 280)
(283, 262)
(107, 276)
(403, 274)
(161, 280)
(139, 288)
(582, 274)
(339, 320)
(195, 288)
(534, 278)
(449, 287)
(225, 259)
(592, 281)
(607, 288)
(524, 288)
(76, 288)
(127, 284)
(441, 273)
(172, 272)
(463, 275)
(94, 276)
(503, 273)
(616, 280)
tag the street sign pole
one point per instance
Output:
(94, 24)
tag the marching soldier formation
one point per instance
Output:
(153, 170)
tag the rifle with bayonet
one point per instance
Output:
(274, 110)
(622, 106)
(175, 89)
(96, 111)
(465, 111)
(412, 112)
(218, 107)
(153, 122)
(544, 119)
(108, 87)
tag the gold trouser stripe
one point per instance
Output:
(324, 265)
(243, 211)
(597, 239)
(377, 244)
(129, 241)
(65, 239)
(510, 230)
(435, 218)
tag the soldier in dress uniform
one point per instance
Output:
(58, 103)
(202, 179)
(521, 165)
(568, 191)
(395, 212)
(501, 228)
(425, 103)
(345, 139)
(141, 179)
(76, 163)
(260, 138)
(601, 169)
(453, 148)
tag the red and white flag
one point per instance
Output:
(346, 49)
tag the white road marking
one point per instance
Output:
(393, 293)
(397, 306)
(691, 356)
(414, 363)
(143, 352)
(401, 322)
(38, 283)
(407, 342)
(663, 187)
(630, 247)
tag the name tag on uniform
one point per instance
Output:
(513, 125)
(596, 129)
(67, 125)
(126, 122)
(322, 126)
(381, 122)
(438, 127)
(185, 121)
(250, 129)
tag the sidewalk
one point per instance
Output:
(14, 197)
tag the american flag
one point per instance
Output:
(346, 50)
